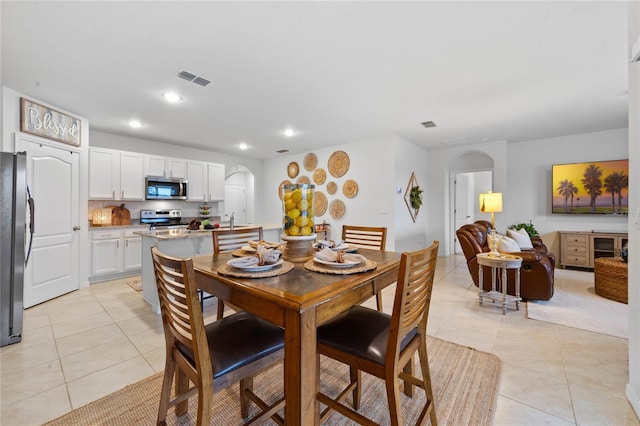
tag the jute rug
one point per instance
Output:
(465, 384)
(576, 304)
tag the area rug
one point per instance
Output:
(135, 283)
(575, 304)
(465, 385)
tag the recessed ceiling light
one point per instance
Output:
(171, 97)
(243, 146)
(135, 124)
(289, 132)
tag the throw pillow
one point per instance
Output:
(522, 238)
(508, 245)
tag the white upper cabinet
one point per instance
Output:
(198, 184)
(131, 176)
(115, 175)
(164, 166)
(216, 182)
(104, 173)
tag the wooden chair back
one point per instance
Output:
(225, 240)
(367, 237)
(182, 322)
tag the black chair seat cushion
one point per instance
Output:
(362, 332)
(238, 340)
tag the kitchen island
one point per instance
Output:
(181, 243)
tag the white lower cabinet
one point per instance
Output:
(116, 252)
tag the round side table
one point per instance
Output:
(499, 265)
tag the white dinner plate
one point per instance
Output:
(253, 268)
(346, 264)
(344, 247)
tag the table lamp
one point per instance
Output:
(491, 202)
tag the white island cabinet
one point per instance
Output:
(180, 243)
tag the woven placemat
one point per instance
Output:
(327, 269)
(242, 253)
(274, 272)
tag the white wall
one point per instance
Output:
(378, 165)
(633, 389)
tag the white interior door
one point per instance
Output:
(462, 210)
(235, 200)
(53, 176)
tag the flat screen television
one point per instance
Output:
(594, 187)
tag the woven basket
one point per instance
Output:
(611, 278)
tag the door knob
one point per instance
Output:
(76, 228)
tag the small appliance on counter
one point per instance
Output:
(159, 218)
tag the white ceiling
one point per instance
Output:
(334, 71)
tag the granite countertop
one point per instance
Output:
(181, 233)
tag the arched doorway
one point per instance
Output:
(239, 190)
(470, 174)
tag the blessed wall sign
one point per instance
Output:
(48, 123)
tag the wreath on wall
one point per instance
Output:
(413, 197)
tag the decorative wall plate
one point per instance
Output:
(332, 187)
(350, 188)
(310, 162)
(339, 163)
(293, 169)
(319, 176)
(283, 183)
(303, 179)
(337, 209)
(320, 204)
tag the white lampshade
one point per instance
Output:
(491, 202)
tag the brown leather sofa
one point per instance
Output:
(536, 272)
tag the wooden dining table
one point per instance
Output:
(298, 301)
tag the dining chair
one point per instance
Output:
(225, 240)
(212, 357)
(367, 237)
(382, 345)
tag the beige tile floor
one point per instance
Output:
(89, 343)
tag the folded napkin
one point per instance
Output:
(263, 243)
(263, 256)
(339, 256)
(329, 243)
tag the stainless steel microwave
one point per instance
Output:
(162, 188)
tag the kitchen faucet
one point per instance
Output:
(231, 220)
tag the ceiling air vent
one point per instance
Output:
(185, 75)
(282, 151)
(428, 124)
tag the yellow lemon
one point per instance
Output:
(297, 196)
(306, 230)
(310, 223)
(294, 231)
(289, 205)
(303, 205)
(293, 213)
(288, 195)
(302, 221)
(310, 212)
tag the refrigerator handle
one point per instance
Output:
(32, 214)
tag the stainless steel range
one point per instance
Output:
(165, 218)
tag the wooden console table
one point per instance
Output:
(611, 278)
(581, 249)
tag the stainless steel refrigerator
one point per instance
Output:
(14, 199)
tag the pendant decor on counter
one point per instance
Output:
(413, 197)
